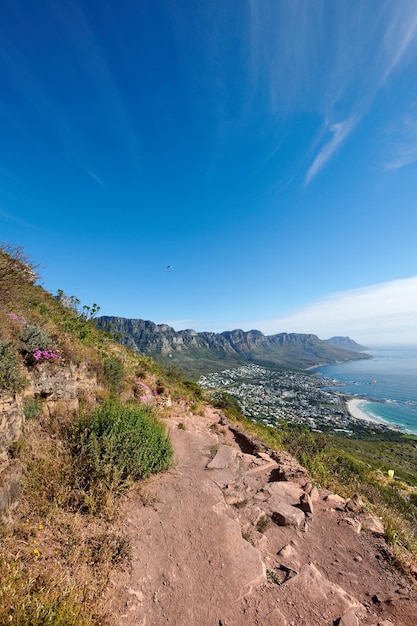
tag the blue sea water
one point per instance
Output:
(388, 383)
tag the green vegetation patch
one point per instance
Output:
(115, 444)
(399, 454)
(11, 378)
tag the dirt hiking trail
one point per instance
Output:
(233, 536)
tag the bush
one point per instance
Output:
(195, 388)
(32, 409)
(35, 338)
(114, 444)
(113, 372)
(229, 405)
(11, 379)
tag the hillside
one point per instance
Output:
(127, 498)
(346, 343)
(79, 422)
(207, 351)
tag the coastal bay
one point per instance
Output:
(382, 390)
(354, 407)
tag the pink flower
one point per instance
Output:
(17, 318)
(48, 355)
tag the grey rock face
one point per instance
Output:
(236, 346)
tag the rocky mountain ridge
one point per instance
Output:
(209, 351)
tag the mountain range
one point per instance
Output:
(199, 352)
(347, 343)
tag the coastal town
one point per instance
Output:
(298, 397)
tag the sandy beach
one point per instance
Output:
(354, 408)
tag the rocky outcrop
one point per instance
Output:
(54, 383)
(221, 350)
(58, 388)
(11, 420)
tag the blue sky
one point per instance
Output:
(265, 149)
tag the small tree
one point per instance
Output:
(73, 303)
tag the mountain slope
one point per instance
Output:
(346, 343)
(208, 351)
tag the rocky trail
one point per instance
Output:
(232, 536)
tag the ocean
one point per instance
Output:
(387, 382)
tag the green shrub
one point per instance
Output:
(194, 387)
(11, 378)
(35, 338)
(229, 405)
(114, 444)
(31, 408)
(113, 372)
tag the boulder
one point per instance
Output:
(314, 494)
(355, 504)
(289, 469)
(224, 458)
(288, 552)
(348, 619)
(333, 498)
(317, 588)
(373, 524)
(289, 557)
(306, 503)
(287, 492)
(286, 515)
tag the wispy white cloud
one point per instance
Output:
(7, 217)
(400, 34)
(329, 64)
(385, 313)
(340, 133)
(89, 67)
(382, 313)
(402, 142)
(388, 44)
(95, 177)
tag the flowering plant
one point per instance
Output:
(47, 355)
(17, 318)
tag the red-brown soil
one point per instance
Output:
(205, 551)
